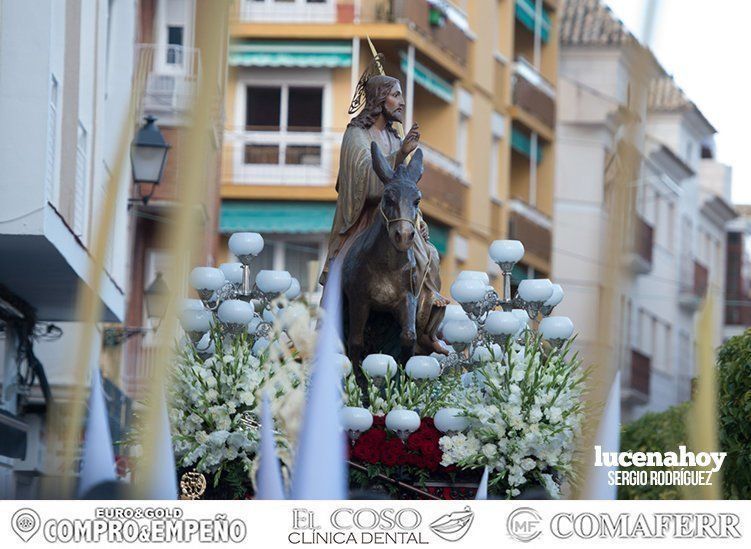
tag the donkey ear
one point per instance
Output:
(415, 168)
(380, 164)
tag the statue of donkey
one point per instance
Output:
(378, 271)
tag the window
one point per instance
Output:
(300, 257)
(175, 45)
(51, 175)
(493, 168)
(462, 142)
(263, 109)
(287, 110)
(81, 190)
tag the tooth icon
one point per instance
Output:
(453, 526)
(25, 523)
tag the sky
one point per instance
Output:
(705, 44)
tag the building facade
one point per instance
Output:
(172, 66)
(65, 78)
(738, 281)
(479, 78)
(614, 96)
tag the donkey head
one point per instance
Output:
(401, 197)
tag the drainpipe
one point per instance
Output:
(410, 86)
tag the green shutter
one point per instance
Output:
(521, 143)
(526, 12)
(276, 216)
(439, 237)
(290, 54)
(428, 79)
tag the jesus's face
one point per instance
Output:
(394, 106)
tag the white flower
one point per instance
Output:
(217, 438)
(489, 450)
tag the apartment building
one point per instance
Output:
(65, 78)
(614, 96)
(479, 78)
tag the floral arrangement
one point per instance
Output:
(215, 401)
(525, 409)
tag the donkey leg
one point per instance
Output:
(407, 314)
(358, 317)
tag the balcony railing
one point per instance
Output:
(443, 183)
(172, 76)
(292, 11)
(532, 93)
(694, 282)
(531, 227)
(449, 34)
(281, 156)
(641, 246)
(641, 372)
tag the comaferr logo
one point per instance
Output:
(524, 524)
(657, 525)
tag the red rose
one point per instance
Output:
(393, 452)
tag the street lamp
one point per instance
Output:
(148, 154)
(156, 297)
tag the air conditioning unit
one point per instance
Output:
(166, 93)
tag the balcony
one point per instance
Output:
(531, 227)
(640, 250)
(532, 93)
(443, 184)
(636, 389)
(291, 11)
(693, 285)
(172, 76)
(281, 157)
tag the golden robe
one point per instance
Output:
(359, 194)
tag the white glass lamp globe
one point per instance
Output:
(450, 420)
(195, 320)
(233, 272)
(468, 290)
(506, 252)
(192, 304)
(402, 422)
(453, 312)
(379, 365)
(556, 297)
(423, 367)
(344, 364)
(355, 420)
(474, 275)
(501, 323)
(293, 292)
(537, 290)
(236, 312)
(481, 354)
(459, 331)
(207, 278)
(206, 345)
(523, 317)
(260, 346)
(254, 323)
(273, 282)
(556, 328)
(246, 244)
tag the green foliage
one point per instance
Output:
(734, 384)
(654, 432)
